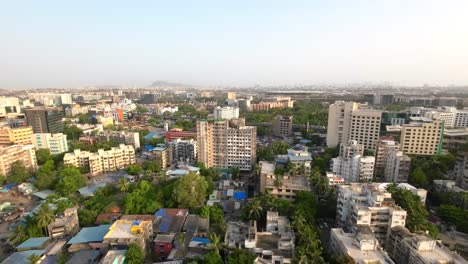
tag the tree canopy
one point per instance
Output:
(190, 191)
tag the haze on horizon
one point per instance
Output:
(76, 43)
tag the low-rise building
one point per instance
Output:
(65, 224)
(408, 248)
(183, 150)
(124, 137)
(102, 161)
(281, 186)
(455, 241)
(56, 143)
(122, 233)
(362, 247)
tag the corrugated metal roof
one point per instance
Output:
(22, 257)
(90, 234)
(33, 242)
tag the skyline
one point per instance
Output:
(58, 44)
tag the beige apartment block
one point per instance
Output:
(16, 136)
(423, 136)
(102, 161)
(10, 154)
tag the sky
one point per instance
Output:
(66, 44)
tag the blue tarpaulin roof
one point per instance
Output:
(148, 148)
(90, 234)
(33, 242)
(240, 195)
(201, 240)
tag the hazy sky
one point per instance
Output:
(74, 43)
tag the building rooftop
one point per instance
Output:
(33, 242)
(114, 257)
(90, 234)
(170, 220)
(165, 238)
(126, 229)
(22, 257)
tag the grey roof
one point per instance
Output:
(43, 194)
(90, 234)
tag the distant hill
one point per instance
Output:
(169, 84)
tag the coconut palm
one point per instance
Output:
(123, 184)
(33, 259)
(44, 216)
(255, 210)
(19, 235)
(216, 243)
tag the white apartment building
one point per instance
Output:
(183, 150)
(448, 117)
(9, 105)
(368, 204)
(102, 161)
(461, 118)
(226, 112)
(362, 247)
(351, 165)
(75, 110)
(423, 136)
(227, 144)
(397, 167)
(384, 147)
(10, 154)
(56, 143)
(353, 121)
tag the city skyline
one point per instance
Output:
(54, 44)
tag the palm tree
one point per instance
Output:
(255, 210)
(215, 242)
(182, 241)
(19, 235)
(44, 216)
(33, 259)
(123, 184)
(278, 183)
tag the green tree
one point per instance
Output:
(279, 147)
(255, 210)
(240, 256)
(44, 216)
(19, 173)
(190, 191)
(43, 155)
(72, 132)
(153, 166)
(454, 215)
(123, 184)
(144, 199)
(135, 254)
(70, 180)
(2, 179)
(33, 259)
(141, 109)
(235, 172)
(213, 258)
(86, 217)
(134, 169)
(418, 178)
(19, 235)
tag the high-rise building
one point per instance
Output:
(422, 136)
(227, 144)
(397, 166)
(282, 126)
(102, 161)
(368, 204)
(461, 118)
(461, 170)
(15, 136)
(384, 147)
(226, 112)
(65, 99)
(183, 150)
(9, 105)
(56, 143)
(10, 154)
(353, 121)
(231, 95)
(45, 120)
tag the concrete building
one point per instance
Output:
(282, 126)
(423, 136)
(362, 246)
(397, 167)
(10, 154)
(226, 112)
(299, 162)
(455, 241)
(231, 95)
(460, 170)
(461, 119)
(72, 111)
(350, 149)
(45, 120)
(281, 186)
(124, 137)
(9, 105)
(384, 147)
(457, 194)
(368, 204)
(267, 104)
(407, 248)
(163, 155)
(65, 224)
(183, 150)
(122, 233)
(102, 161)
(227, 144)
(455, 138)
(15, 136)
(351, 165)
(353, 121)
(56, 143)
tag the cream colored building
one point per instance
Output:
(353, 121)
(10, 154)
(423, 136)
(15, 136)
(56, 143)
(102, 161)
(384, 147)
(227, 144)
(397, 167)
